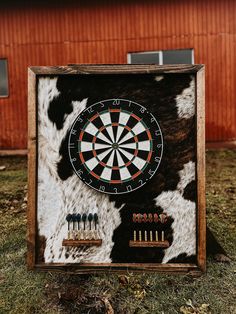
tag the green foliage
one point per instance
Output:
(22, 291)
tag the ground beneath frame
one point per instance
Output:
(22, 291)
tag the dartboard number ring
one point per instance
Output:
(115, 146)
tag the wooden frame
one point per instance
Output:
(198, 71)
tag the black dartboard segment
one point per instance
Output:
(115, 146)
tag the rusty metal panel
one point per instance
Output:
(104, 32)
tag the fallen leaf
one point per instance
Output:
(186, 310)
(123, 280)
(108, 307)
(140, 294)
(222, 258)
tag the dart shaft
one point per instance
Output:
(162, 236)
(135, 235)
(156, 235)
(151, 236)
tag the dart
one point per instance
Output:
(144, 217)
(150, 218)
(134, 217)
(140, 235)
(74, 219)
(145, 235)
(156, 235)
(68, 219)
(163, 218)
(151, 236)
(140, 216)
(134, 235)
(84, 217)
(90, 218)
(162, 236)
(95, 218)
(78, 218)
(155, 216)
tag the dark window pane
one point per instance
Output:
(3, 78)
(140, 58)
(183, 56)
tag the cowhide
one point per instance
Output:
(171, 98)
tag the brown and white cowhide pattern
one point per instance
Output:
(171, 98)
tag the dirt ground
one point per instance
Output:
(22, 291)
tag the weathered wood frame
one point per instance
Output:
(33, 74)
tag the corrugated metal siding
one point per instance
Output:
(103, 32)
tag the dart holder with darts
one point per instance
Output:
(116, 168)
(82, 230)
(151, 234)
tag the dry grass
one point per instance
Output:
(28, 292)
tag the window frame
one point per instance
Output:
(159, 52)
(7, 74)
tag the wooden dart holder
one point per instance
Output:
(148, 243)
(81, 237)
(149, 238)
(163, 244)
(77, 243)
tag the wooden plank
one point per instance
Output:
(31, 208)
(88, 268)
(77, 243)
(13, 152)
(117, 69)
(200, 142)
(164, 244)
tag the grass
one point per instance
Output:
(22, 291)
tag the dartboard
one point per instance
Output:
(115, 146)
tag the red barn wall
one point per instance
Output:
(104, 32)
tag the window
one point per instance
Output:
(180, 56)
(145, 57)
(3, 78)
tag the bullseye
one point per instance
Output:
(115, 146)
